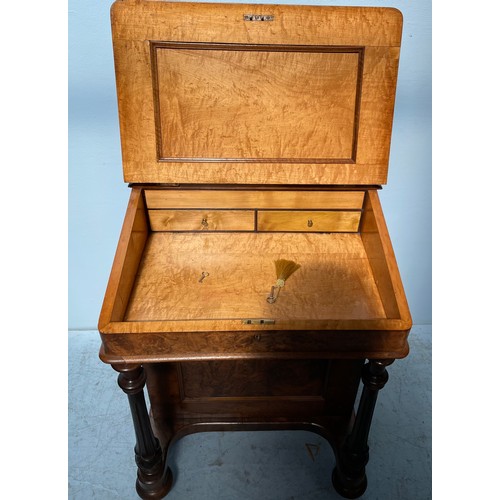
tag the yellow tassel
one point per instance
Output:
(284, 269)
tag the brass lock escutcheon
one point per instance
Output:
(258, 17)
(258, 321)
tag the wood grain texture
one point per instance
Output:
(348, 295)
(308, 221)
(235, 103)
(334, 282)
(369, 311)
(255, 198)
(385, 339)
(133, 238)
(377, 243)
(176, 328)
(252, 379)
(378, 30)
(332, 385)
(202, 220)
(293, 24)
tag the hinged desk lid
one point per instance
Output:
(255, 94)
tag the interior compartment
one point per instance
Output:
(187, 279)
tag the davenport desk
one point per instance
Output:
(254, 285)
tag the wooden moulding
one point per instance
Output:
(142, 347)
(347, 300)
(257, 122)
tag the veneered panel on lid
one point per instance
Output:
(265, 104)
(206, 96)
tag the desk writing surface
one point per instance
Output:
(334, 282)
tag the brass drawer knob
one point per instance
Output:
(309, 223)
(204, 223)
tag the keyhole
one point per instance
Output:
(309, 223)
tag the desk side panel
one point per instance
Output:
(377, 243)
(128, 255)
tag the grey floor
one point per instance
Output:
(248, 465)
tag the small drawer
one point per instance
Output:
(202, 220)
(308, 221)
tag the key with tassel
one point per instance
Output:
(284, 269)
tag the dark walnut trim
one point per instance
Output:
(349, 476)
(277, 344)
(154, 478)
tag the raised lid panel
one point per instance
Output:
(206, 96)
(240, 103)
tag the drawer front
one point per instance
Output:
(308, 221)
(202, 220)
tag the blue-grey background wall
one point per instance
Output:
(98, 196)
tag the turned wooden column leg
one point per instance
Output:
(349, 477)
(154, 479)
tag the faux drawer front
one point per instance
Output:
(308, 221)
(257, 199)
(202, 220)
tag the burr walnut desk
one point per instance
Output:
(250, 135)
